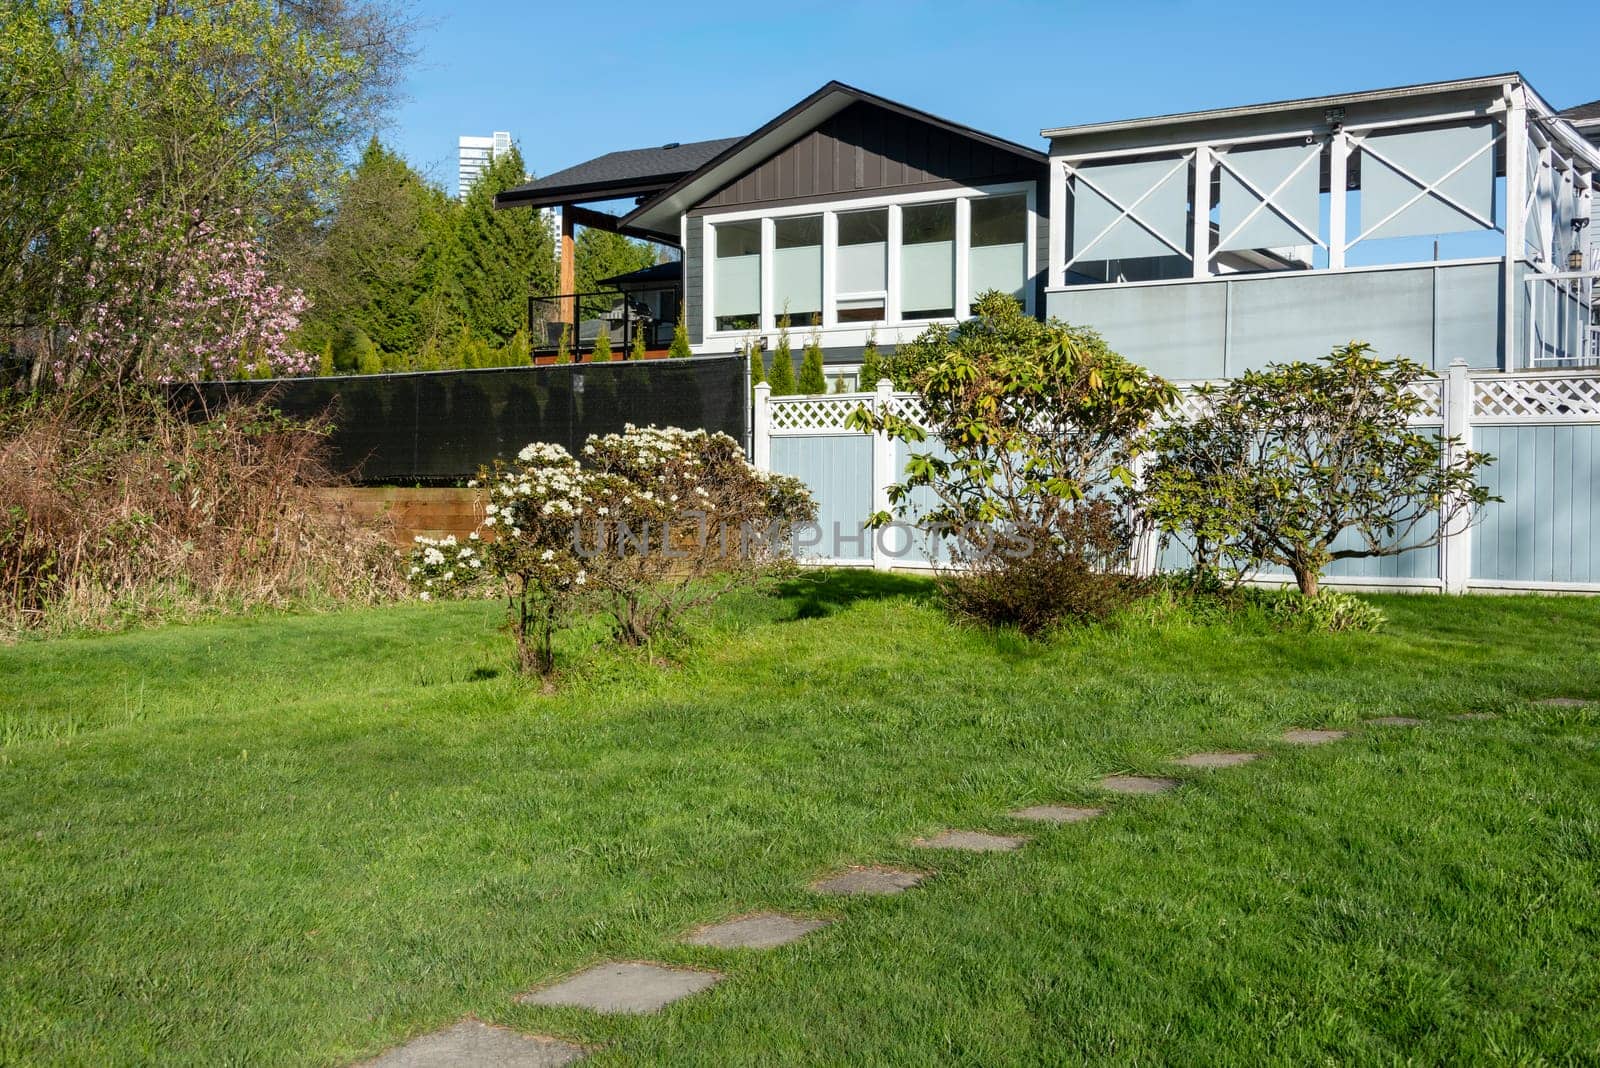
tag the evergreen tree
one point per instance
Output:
(838, 384)
(602, 345)
(349, 348)
(872, 367)
(638, 343)
(501, 256)
(564, 344)
(517, 352)
(325, 358)
(383, 266)
(812, 378)
(781, 377)
(758, 370)
(680, 338)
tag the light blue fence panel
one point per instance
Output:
(1549, 477)
(918, 547)
(838, 468)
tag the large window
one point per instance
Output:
(863, 266)
(905, 260)
(928, 261)
(998, 258)
(797, 269)
(736, 276)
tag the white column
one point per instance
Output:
(1055, 270)
(1202, 211)
(1516, 198)
(830, 254)
(761, 427)
(769, 243)
(1338, 194)
(883, 472)
(1455, 548)
(963, 246)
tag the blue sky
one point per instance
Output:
(557, 77)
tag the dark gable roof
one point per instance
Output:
(659, 213)
(630, 172)
(1583, 113)
(655, 274)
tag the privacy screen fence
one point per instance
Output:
(440, 426)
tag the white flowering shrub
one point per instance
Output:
(652, 522)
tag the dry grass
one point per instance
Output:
(114, 510)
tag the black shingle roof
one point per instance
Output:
(617, 174)
(1583, 112)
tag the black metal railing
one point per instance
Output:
(576, 320)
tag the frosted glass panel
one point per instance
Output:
(1296, 168)
(863, 251)
(736, 275)
(797, 269)
(1429, 155)
(998, 238)
(1164, 211)
(1002, 267)
(927, 260)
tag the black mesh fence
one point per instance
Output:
(439, 426)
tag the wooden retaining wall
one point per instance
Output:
(407, 512)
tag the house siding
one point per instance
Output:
(864, 150)
(694, 283)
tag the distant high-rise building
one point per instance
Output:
(475, 154)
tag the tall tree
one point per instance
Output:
(177, 123)
(503, 256)
(387, 265)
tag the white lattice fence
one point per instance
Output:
(1535, 398)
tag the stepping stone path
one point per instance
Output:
(971, 841)
(1396, 721)
(631, 988)
(1561, 702)
(1216, 760)
(1308, 737)
(471, 1044)
(764, 930)
(1137, 784)
(1056, 813)
(879, 881)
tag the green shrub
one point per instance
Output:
(812, 379)
(1329, 612)
(602, 345)
(781, 377)
(679, 349)
(638, 350)
(872, 367)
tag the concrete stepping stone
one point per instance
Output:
(628, 987)
(868, 881)
(1561, 702)
(1137, 784)
(972, 841)
(1396, 721)
(1313, 737)
(764, 930)
(1216, 760)
(472, 1044)
(1056, 813)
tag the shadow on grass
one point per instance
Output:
(816, 594)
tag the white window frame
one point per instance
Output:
(832, 331)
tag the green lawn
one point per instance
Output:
(301, 840)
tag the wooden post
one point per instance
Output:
(568, 282)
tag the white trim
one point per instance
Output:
(847, 333)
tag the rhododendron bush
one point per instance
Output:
(652, 522)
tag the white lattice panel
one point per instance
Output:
(909, 408)
(1536, 397)
(1432, 394)
(1190, 405)
(812, 413)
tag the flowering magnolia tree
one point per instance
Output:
(655, 521)
(184, 302)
